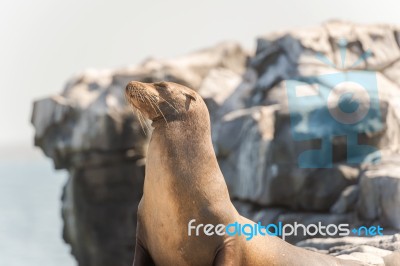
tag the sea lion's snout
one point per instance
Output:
(166, 101)
(132, 93)
(144, 97)
(134, 88)
(128, 88)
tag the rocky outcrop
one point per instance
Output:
(304, 127)
(295, 136)
(379, 195)
(89, 130)
(379, 250)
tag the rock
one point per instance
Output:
(379, 193)
(237, 100)
(337, 243)
(367, 258)
(323, 187)
(366, 249)
(298, 137)
(190, 69)
(99, 212)
(275, 215)
(283, 140)
(378, 250)
(258, 169)
(210, 88)
(253, 127)
(265, 215)
(347, 200)
(89, 130)
(308, 218)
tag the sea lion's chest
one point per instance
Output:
(169, 202)
(159, 202)
(159, 210)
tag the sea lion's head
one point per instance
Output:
(157, 101)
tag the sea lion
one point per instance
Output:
(184, 182)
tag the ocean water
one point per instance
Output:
(30, 214)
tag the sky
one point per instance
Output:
(44, 42)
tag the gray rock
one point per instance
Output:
(99, 212)
(253, 135)
(89, 130)
(324, 186)
(286, 56)
(276, 215)
(379, 250)
(263, 170)
(366, 249)
(219, 78)
(347, 200)
(258, 137)
(379, 193)
(308, 218)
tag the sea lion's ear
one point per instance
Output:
(190, 94)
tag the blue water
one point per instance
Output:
(30, 215)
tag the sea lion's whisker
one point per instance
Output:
(145, 121)
(144, 96)
(169, 104)
(147, 98)
(141, 125)
(162, 114)
(141, 96)
(155, 103)
(138, 116)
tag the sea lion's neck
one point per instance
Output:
(187, 145)
(185, 151)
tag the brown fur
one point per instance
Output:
(183, 182)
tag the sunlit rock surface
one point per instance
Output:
(260, 133)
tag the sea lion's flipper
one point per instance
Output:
(142, 256)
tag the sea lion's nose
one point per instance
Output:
(129, 87)
(132, 85)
